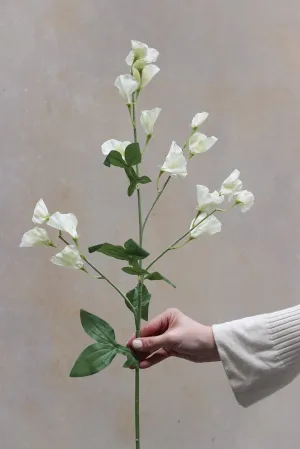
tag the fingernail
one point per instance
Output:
(137, 344)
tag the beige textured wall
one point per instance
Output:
(59, 58)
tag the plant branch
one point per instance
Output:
(155, 201)
(169, 248)
(164, 186)
(103, 277)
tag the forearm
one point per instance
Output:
(260, 354)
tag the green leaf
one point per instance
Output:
(131, 188)
(133, 297)
(156, 276)
(144, 180)
(133, 154)
(97, 328)
(131, 361)
(93, 359)
(134, 271)
(131, 174)
(116, 251)
(134, 250)
(115, 158)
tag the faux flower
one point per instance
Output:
(40, 213)
(64, 222)
(141, 55)
(148, 119)
(143, 77)
(36, 237)
(232, 184)
(175, 163)
(210, 225)
(199, 119)
(207, 201)
(245, 200)
(69, 257)
(114, 145)
(199, 143)
(126, 85)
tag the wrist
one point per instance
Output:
(212, 346)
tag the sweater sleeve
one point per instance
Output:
(260, 354)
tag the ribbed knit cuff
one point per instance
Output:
(284, 328)
(260, 354)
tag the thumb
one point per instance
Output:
(149, 344)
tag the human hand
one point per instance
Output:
(174, 334)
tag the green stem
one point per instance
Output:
(139, 307)
(156, 199)
(169, 248)
(102, 276)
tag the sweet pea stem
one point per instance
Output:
(102, 276)
(156, 199)
(173, 246)
(139, 306)
(159, 192)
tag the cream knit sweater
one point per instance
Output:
(260, 354)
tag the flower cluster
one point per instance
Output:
(140, 61)
(70, 255)
(209, 203)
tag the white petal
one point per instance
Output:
(136, 75)
(129, 58)
(200, 143)
(207, 202)
(151, 56)
(40, 213)
(69, 257)
(210, 225)
(126, 85)
(148, 119)
(199, 119)
(35, 237)
(148, 73)
(64, 222)
(139, 49)
(175, 163)
(232, 184)
(110, 145)
(232, 177)
(245, 200)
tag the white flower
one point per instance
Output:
(141, 55)
(175, 163)
(207, 201)
(40, 213)
(36, 237)
(126, 85)
(210, 225)
(232, 184)
(199, 143)
(245, 200)
(148, 119)
(114, 145)
(144, 76)
(199, 119)
(69, 257)
(64, 222)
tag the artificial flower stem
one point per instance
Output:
(139, 307)
(102, 276)
(155, 201)
(169, 248)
